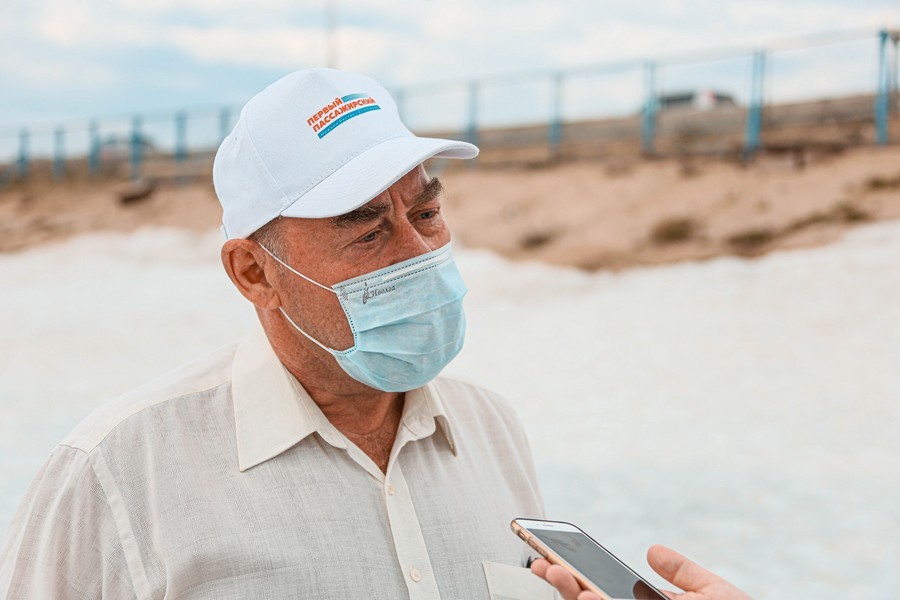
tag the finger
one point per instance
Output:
(539, 567)
(586, 595)
(679, 570)
(563, 581)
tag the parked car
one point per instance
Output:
(699, 99)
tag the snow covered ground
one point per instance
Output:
(744, 412)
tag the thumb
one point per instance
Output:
(679, 570)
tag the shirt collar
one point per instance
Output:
(272, 411)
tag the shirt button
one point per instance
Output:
(390, 489)
(415, 575)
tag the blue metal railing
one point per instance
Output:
(476, 108)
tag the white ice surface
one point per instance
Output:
(744, 412)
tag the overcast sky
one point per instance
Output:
(62, 59)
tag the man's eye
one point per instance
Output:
(369, 237)
(428, 214)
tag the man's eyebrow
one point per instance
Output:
(374, 211)
(363, 214)
(431, 191)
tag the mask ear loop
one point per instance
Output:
(285, 315)
(296, 272)
(309, 337)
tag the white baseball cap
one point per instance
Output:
(316, 143)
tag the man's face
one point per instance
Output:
(403, 222)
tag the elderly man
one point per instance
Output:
(322, 457)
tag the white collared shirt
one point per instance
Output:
(225, 480)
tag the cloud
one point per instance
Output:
(111, 42)
(208, 7)
(73, 26)
(279, 47)
(284, 47)
(783, 17)
(50, 73)
(460, 37)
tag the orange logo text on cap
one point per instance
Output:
(340, 110)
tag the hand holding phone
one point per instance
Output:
(593, 566)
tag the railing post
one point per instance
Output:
(648, 116)
(94, 154)
(472, 127)
(24, 162)
(224, 123)
(895, 73)
(180, 137)
(137, 148)
(757, 98)
(555, 131)
(882, 94)
(59, 153)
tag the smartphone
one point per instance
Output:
(592, 565)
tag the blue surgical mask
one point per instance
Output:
(407, 321)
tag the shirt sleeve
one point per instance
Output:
(64, 542)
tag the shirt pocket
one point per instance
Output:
(506, 582)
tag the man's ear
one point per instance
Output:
(243, 261)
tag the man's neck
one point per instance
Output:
(370, 420)
(366, 416)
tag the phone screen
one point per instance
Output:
(596, 564)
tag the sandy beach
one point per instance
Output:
(588, 214)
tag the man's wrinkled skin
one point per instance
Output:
(402, 222)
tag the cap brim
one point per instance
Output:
(372, 172)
